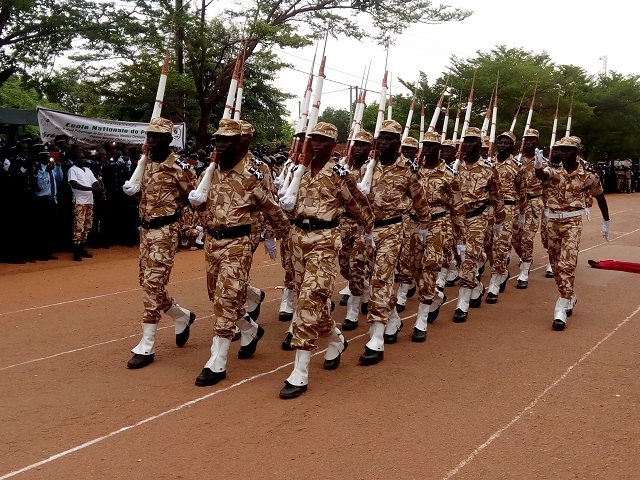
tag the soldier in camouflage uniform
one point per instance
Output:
(480, 187)
(395, 188)
(447, 213)
(407, 258)
(449, 272)
(236, 194)
(565, 189)
(326, 190)
(164, 188)
(513, 191)
(528, 219)
(191, 231)
(354, 260)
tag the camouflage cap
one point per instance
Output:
(509, 135)
(485, 142)
(532, 132)
(363, 136)
(326, 130)
(410, 142)
(473, 132)
(567, 142)
(578, 140)
(228, 128)
(432, 137)
(247, 128)
(160, 125)
(448, 143)
(391, 126)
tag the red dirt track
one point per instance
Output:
(501, 396)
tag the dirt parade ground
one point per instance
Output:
(502, 396)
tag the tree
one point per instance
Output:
(340, 118)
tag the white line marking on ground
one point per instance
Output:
(155, 417)
(535, 401)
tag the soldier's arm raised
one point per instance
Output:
(271, 210)
(495, 197)
(456, 207)
(355, 201)
(418, 196)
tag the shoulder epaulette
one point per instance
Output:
(257, 161)
(182, 164)
(412, 165)
(489, 162)
(516, 161)
(340, 170)
(448, 167)
(256, 173)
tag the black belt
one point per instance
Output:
(477, 211)
(414, 217)
(311, 224)
(159, 222)
(387, 221)
(436, 216)
(510, 202)
(531, 197)
(230, 232)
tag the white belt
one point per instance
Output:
(560, 215)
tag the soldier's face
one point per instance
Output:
(430, 150)
(505, 145)
(529, 143)
(361, 150)
(565, 154)
(245, 141)
(228, 146)
(447, 153)
(158, 141)
(322, 146)
(471, 146)
(388, 143)
(409, 152)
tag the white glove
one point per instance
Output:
(461, 250)
(270, 248)
(369, 241)
(422, 235)
(587, 213)
(605, 229)
(363, 188)
(200, 229)
(538, 159)
(521, 220)
(497, 228)
(130, 188)
(288, 203)
(196, 198)
(277, 182)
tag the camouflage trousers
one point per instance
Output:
(348, 229)
(433, 258)
(385, 258)
(360, 266)
(544, 235)
(475, 228)
(157, 250)
(408, 255)
(287, 264)
(564, 244)
(449, 242)
(523, 237)
(488, 234)
(82, 222)
(228, 262)
(501, 245)
(315, 267)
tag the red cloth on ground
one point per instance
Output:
(630, 267)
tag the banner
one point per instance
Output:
(95, 131)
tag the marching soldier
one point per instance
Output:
(530, 217)
(514, 197)
(395, 188)
(236, 195)
(326, 190)
(165, 185)
(480, 187)
(449, 272)
(565, 188)
(409, 148)
(447, 215)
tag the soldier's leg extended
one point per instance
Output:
(228, 262)
(314, 260)
(157, 252)
(523, 238)
(385, 258)
(406, 263)
(358, 269)
(289, 293)
(471, 290)
(501, 250)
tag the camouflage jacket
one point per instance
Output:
(237, 195)
(165, 187)
(480, 184)
(532, 183)
(566, 191)
(327, 195)
(443, 193)
(512, 183)
(396, 188)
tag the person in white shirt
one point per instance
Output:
(83, 183)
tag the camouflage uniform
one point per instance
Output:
(533, 213)
(322, 198)
(348, 234)
(164, 187)
(189, 221)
